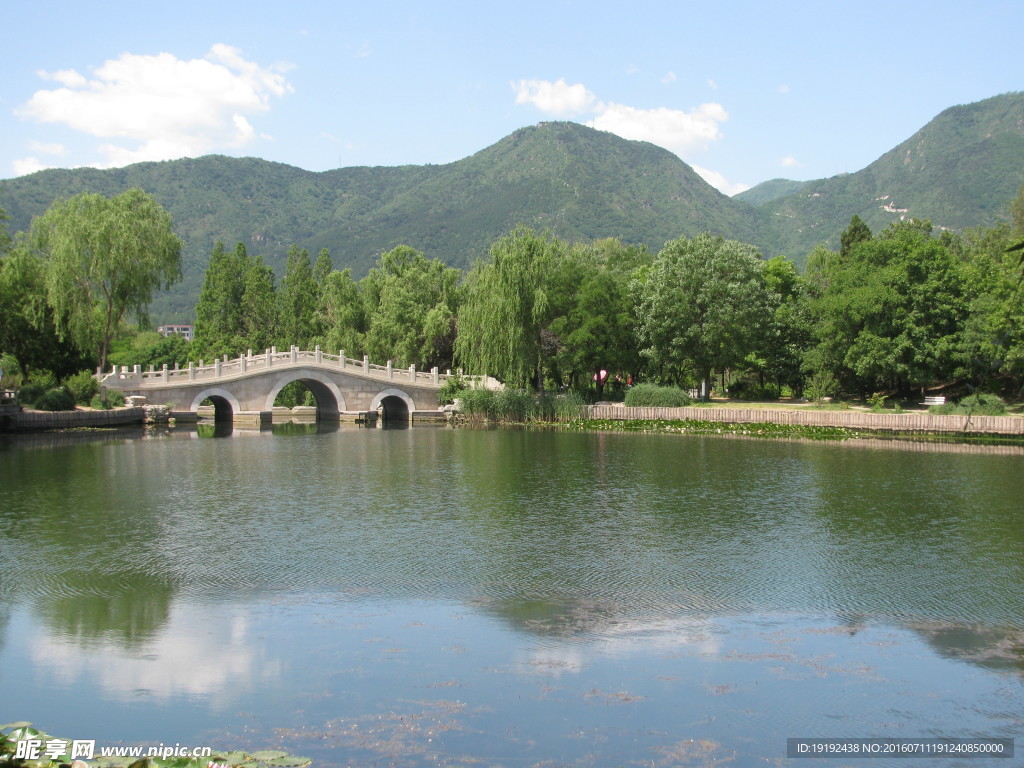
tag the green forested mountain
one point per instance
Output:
(770, 190)
(960, 170)
(580, 183)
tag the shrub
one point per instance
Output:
(752, 390)
(877, 402)
(653, 396)
(477, 403)
(106, 400)
(513, 405)
(82, 386)
(31, 392)
(57, 399)
(821, 385)
(565, 406)
(451, 389)
(978, 405)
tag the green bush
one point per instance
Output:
(751, 390)
(82, 386)
(653, 396)
(877, 402)
(57, 399)
(978, 405)
(477, 404)
(516, 405)
(31, 392)
(109, 399)
(564, 406)
(519, 406)
(451, 389)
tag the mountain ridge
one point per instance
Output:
(579, 183)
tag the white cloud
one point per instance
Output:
(26, 165)
(673, 129)
(719, 182)
(558, 98)
(669, 77)
(783, 88)
(712, 85)
(160, 107)
(791, 162)
(68, 77)
(47, 149)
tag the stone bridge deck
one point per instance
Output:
(248, 385)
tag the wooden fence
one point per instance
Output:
(882, 422)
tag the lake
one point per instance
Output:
(510, 597)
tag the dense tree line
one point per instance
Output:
(899, 311)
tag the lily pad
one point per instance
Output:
(267, 754)
(289, 761)
(19, 724)
(231, 758)
(112, 762)
(25, 732)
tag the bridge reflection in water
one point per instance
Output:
(245, 388)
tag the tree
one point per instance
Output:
(506, 309)
(597, 332)
(237, 308)
(857, 232)
(259, 310)
(298, 299)
(892, 313)
(104, 258)
(218, 322)
(701, 306)
(410, 306)
(780, 347)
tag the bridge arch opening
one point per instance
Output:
(394, 405)
(393, 409)
(325, 393)
(225, 406)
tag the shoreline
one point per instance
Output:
(794, 420)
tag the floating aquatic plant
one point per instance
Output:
(54, 752)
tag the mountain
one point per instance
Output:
(961, 170)
(576, 181)
(767, 191)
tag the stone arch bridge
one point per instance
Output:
(246, 387)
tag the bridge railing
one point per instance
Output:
(134, 377)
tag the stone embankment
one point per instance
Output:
(40, 420)
(924, 423)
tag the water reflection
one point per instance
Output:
(127, 610)
(214, 429)
(197, 654)
(319, 575)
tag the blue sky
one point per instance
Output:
(742, 91)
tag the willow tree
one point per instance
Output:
(410, 305)
(506, 309)
(103, 259)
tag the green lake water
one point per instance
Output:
(449, 597)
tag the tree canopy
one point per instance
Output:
(104, 258)
(700, 306)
